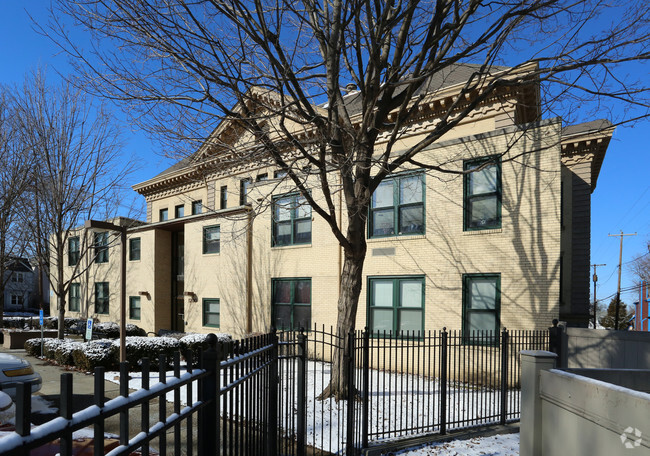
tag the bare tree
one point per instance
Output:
(640, 266)
(77, 176)
(15, 164)
(181, 66)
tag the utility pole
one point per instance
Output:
(620, 261)
(595, 300)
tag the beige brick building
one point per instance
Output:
(230, 246)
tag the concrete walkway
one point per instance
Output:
(83, 392)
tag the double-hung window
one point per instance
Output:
(101, 297)
(74, 297)
(17, 277)
(397, 206)
(211, 239)
(291, 306)
(179, 211)
(163, 215)
(244, 187)
(211, 313)
(482, 189)
(134, 249)
(134, 307)
(101, 247)
(396, 305)
(73, 251)
(197, 207)
(291, 220)
(481, 307)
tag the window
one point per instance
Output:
(134, 249)
(481, 306)
(291, 220)
(396, 304)
(482, 195)
(262, 177)
(74, 297)
(179, 211)
(279, 174)
(223, 197)
(17, 277)
(17, 300)
(101, 247)
(197, 207)
(397, 206)
(134, 307)
(164, 215)
(211, 310)
(211, 239)
(101, 297)
(73, 251)
(244, 186)
(291, 304)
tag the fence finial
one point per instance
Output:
(211, 340)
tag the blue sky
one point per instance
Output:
(621, 200)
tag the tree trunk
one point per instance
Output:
(351, 282)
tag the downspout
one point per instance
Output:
(340, 246)
(249, 272)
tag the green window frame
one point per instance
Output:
(396, 305)
(197, 207)
(101, 247)
(211, 312)
(223, 197)
(134, 307)
(163, 215)
(102, 295)
(397, 207)
(74, 297)
(134, 249)
(73, 251)
(291, 220)
(244, 187)
(291, 303)
(482, 194)
(211, 239)
(481, 308)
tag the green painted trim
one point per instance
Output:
(499, 192)
(292, 219)
(108, 294)
(203, 313)
(395, 333)
(131, 298)
(497, 307)
(291, 303)
(396, 178)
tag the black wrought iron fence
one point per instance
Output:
(267, 395)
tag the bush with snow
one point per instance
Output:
(138, 347)
(197, 342)
(96, 353)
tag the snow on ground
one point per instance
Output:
(498, 445)
(398, 401)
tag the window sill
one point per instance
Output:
(211, 254)
(485, 231)
(397, 237)
(292, 246)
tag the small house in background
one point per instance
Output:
(21, 286)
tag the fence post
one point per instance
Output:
(272, 425)
(349, 359)
(302, 393)
(207, 435)
(504, 374)
(66, 413)
(443, 382)
(24, 408)
(366, 385)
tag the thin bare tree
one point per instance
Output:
(78, 174)
(15, 164)
(182, 67)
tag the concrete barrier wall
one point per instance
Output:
(600, 348)
(586, 417)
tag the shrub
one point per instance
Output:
(96, 353)
(63, 352)
(111, 330)
(197, 342)
(50, 346)
(33, 346)
(138, 347)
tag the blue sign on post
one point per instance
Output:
(40, 314)
(89, 329)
